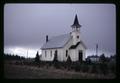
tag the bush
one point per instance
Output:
(77, 66)
(37, 58)
(94, 69)
(84, 68)
(104, 68)
(69, 63)
(112, 67)
(103, 58)
(56, 64)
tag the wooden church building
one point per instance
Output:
(64, 46)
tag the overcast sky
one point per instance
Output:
(26, 25)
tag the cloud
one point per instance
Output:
(26, 25)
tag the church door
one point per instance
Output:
(80, 53)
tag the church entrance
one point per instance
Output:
(80, 55)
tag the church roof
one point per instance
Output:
(76, 22)
(57, 41)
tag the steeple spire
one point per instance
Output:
(75, 31)
(76, 23)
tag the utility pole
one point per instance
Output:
(96, 49)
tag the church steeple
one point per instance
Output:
(76, 23)
(75, 34)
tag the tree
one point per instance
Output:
(55, 60)
(69, 62)
(88, 61)
(94, 68)
(102, 58)
(103, 65)
(104, 68)
(37, 58)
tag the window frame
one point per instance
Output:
(45, 53)
(66, 53)
(51, 53)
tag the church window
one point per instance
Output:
(78, 37)
(45, 53)
(66, 53)
(51, 53)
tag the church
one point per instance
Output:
(65, 45)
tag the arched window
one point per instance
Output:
(51, 53)
(66, 53)
(55, 56)
(45, 53)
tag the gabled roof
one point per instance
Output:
(57, 41)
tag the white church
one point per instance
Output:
(65, 45)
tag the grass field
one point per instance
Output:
(13, 71)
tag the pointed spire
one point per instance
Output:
(76, 23)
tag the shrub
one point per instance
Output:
(37, 58)
(104, 68)
(112, 67)
(84, 68)
(77, 66)
(68, 63)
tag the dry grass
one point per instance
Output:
(13, 71)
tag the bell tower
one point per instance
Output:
(75, 31)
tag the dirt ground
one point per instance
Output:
(12, 71)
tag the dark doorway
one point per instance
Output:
(80, 53)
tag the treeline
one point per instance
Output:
(13, 57)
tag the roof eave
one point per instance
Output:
(51, 48)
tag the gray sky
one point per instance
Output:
(26, 25)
